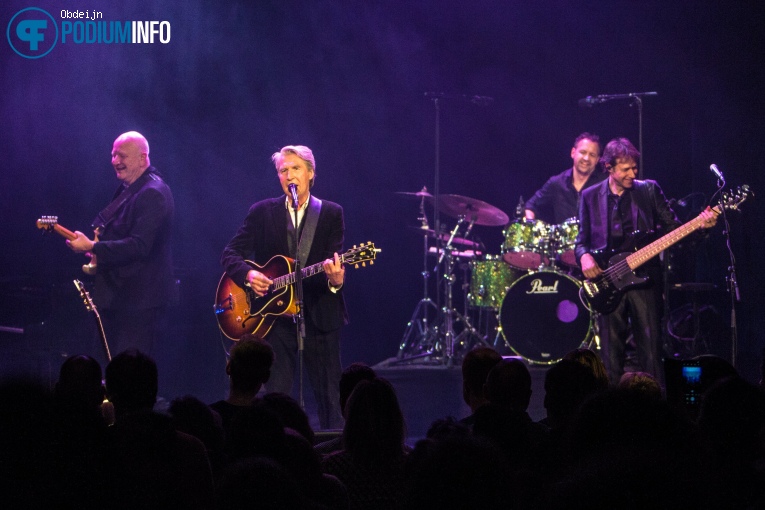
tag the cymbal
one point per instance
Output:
(473, 210)
(415, 194)
(445, 237)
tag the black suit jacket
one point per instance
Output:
(650, 212)
(134, 258)
(264, 234)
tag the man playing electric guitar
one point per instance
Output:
(608, 214)
(267, 231)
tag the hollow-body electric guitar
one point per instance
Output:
(240, 311)
(50, 224)
(601, 294)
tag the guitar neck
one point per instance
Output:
(64, 232)
(306, 272)
(645, 254)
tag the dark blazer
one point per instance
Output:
(134, 257)
(650, 212)
(264, 234)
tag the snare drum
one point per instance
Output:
(542, 317)
(489, 282)
(564, 239)
(527, 244)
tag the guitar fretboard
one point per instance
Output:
(306, 272)
(645, 254)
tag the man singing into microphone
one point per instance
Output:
(268, 230)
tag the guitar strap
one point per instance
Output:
(121, 196)
(309, 229)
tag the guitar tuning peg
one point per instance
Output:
(356, 266)
(371, 262)
(354, 246)
(363, 264)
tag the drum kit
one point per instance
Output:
(524, 299)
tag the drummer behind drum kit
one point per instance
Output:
(530, 289)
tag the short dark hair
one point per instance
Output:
(618, 148)
(132, 381)
(250, 363)
(476, 366)
(587, 136)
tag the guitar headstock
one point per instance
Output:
(734, 198)
(47, 222)
(365, 252)
(85, 295)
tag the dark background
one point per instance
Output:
(240, 79)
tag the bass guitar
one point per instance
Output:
(240, 311)
(50, 224)
(601, 294)
(91, 307)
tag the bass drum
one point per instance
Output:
(542, 317)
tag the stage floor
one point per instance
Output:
(429, 392)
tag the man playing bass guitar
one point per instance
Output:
(611, 214)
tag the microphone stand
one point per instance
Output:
(299, 317)
(732, 284)
(437, 188)
(637, 97)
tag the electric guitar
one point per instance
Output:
(50, 223)
(91, 307)
(601, 294)
(240, 311)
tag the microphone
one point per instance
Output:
(717, 172)
(588, 101)
(481, 100)
(476, 100)
(293, 190)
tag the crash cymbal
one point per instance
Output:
(477, 211)
(445, 237)
(422, 193)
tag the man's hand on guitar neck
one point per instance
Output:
(81, 243)
(258, 282)
(709, 218)
(590, 268)
(335, 272)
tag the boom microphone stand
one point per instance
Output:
(638, 101)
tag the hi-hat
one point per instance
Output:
(422, 193)
(477, 211)
(445, 237)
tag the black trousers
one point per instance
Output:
(321, 357)
(638, 313)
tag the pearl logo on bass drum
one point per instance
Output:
(537, 287)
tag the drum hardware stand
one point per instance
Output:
(428, 341)
(595, 336)
(450, 315)
(420, 332)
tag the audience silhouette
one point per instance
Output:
(626, 447)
